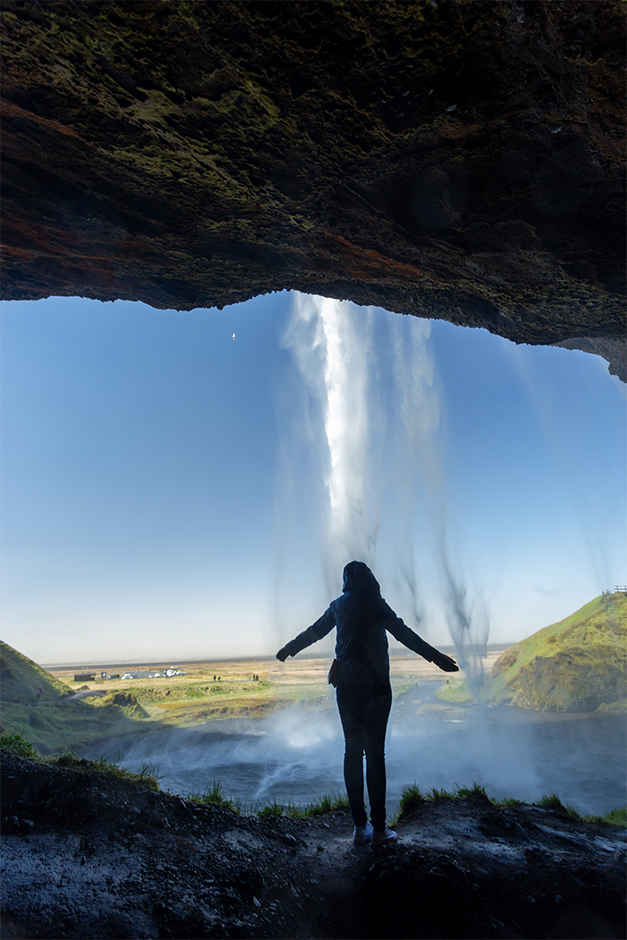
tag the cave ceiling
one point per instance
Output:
(458, 160)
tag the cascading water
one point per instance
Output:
(334, 360)
(364, 471)
(371, 380)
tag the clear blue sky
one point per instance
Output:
(183, 486)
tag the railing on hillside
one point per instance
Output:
(617, 589)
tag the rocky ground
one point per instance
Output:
(89, 856)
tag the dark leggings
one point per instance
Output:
(364, 711)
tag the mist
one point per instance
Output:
(295, 756)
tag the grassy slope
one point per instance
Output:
(21, 677)
(576, 665)
(55, 724)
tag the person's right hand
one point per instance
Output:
(282, 654)
(447, 663)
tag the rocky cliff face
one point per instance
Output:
(443, 159)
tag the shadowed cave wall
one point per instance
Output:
(458, 160)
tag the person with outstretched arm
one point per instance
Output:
(361, 674)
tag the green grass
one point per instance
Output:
(188, 704)
(67, 759)
(57, 726)
(272, 809)
(215, 796)
(327, 803)
(146, 776)
(21, 678)
(553, 801)
(575, 665)
(412, 796)
(18, 745)
(550, 801)
(456, 691)
(616, 817)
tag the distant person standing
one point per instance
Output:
(39, 693)
(364, 695)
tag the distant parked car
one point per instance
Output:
(127, 675)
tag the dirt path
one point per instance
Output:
(88, 856)
(77, 696)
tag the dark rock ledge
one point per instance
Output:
(88, 856)
(447, 159)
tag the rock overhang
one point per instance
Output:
(450, 160)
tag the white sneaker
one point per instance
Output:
(362, 834)
(384, 838)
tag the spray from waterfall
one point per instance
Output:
(371, 409)
(468, 624)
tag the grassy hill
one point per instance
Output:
(20, 678)
(576, 665)
(55, 723)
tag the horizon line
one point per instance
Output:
(242, 659)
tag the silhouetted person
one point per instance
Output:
(364, 694)
(39, 693)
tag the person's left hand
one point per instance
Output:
(282, 654)
(447, 663)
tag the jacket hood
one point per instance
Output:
(359, 577)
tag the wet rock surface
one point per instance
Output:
(87, 856)
(453, 160)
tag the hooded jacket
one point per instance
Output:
(361, 617)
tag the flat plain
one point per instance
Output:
(197, 696)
